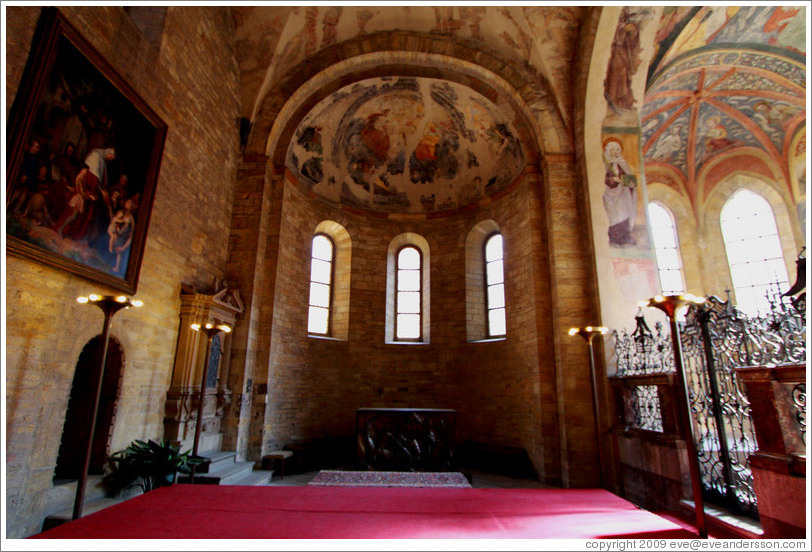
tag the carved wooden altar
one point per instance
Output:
(406, 439)
(223, 306)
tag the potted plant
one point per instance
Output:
(148, 465)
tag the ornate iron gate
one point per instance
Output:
(716, 339)
(713, 341)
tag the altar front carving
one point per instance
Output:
(406, 439)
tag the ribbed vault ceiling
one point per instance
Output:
(727, 83)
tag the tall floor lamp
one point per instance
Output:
(588, 334)
(109, 305)
(210, 330)
(671, 305)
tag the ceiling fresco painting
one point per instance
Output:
(718, 94)
(544, 40)
(405, 145)
(685, 29)
(724, 82)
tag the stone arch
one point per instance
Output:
(743, 160)
(412, 54)
(72, 447)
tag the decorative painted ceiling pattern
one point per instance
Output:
(721, 99)
(405, 145)
(543, 39)
(683, 29)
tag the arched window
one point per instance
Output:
(485, 283)
(754, 252)
(408, 287)
(408, 298)
(321, 285)
(666, 248)
(495, 285)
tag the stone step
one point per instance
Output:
(255, 478)
(215, 460)
(221, 473)
(64, 492)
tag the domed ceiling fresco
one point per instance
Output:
(405, 145)
(728, 83)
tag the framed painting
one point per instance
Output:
(83, 157)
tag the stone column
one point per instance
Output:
(255, 220)
(574, 300)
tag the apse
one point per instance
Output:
(405, 145)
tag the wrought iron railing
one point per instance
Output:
(645, 403)
(799, 402)
(716, 339)
(643, 352)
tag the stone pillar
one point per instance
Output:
(574, 303)
(255, 220)
(779, 464)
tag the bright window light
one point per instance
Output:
(408, 304)
(754, 252)
(495, 285)
(321, 277)
(666, 249)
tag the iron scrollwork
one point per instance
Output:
(799, 402)
(643, 352)
(646, 406)
(717, 338)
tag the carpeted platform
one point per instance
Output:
(234, 512)
(340, 478)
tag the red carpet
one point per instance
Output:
(228, 512)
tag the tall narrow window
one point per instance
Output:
(321, 285)
(495, 285)
(408, 303)
(754, 251)
(666, 247)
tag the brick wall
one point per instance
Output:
(315, 385)
(190, 80)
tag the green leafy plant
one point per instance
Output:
(148, 465)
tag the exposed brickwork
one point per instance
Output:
(315, 385)
(255, 214)
(216, 215)
(191, 83)
(572, 287)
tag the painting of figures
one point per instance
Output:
(83, 158)
(410, 145)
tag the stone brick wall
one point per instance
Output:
(314, 385)
(190, 80)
